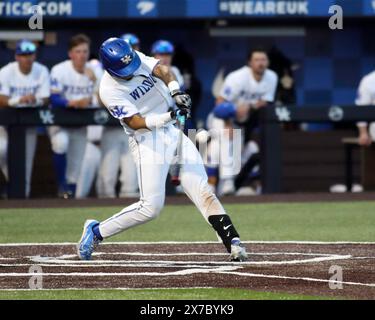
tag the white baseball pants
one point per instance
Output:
(153, 152)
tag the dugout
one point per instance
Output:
(329, 64)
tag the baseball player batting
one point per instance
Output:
(138, 90)
(116, 155)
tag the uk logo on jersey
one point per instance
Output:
(118, 112)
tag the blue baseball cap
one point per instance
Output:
(225, 110)
(25, 47)
(162, 47)
(131, 38)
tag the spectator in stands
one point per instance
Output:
(249, 89)
(23, 83)
(73, 85)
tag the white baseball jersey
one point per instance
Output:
(366, 97)
(13, 83)
(178, 75)
(240, 86)
(366, 91)
(144, 93)
(97, 67)
(70, 83)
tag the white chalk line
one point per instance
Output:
(119, 274)
(62, 261)
(186, 254)
(186, 242)
(255, 275)
(125, 265)
(198, 269)
(110, 289)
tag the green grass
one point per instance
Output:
(297, 221)
(153, 294)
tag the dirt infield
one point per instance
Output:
(183, 200)
(291, 267)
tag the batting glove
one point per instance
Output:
(183, 101)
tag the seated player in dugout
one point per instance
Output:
(138, 91)
(366, 97)
(248, 89)
(23, 83)
(73, 85)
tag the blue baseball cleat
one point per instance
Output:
(238, 251)
(88, 241)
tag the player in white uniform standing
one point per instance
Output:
(116, 155)
(249, 89)
(138, 91)
(366, 97)
(23, 83)
(92, 156)
(72, 86)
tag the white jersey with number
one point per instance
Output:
(13, 83)
(71, 84)
(143, 94)
(240, 86)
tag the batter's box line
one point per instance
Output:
(222, 270)
(186, 242)
(48, 260)
(106, 289)
(256, 275)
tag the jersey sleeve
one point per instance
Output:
(231, 88)
(44, 89)
(147, 61)
(4, 84)
(117, 103)
(271, 88)
(56, 81)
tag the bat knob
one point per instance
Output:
(175, 181)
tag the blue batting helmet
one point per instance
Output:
(131, 38)
(118, 58)
(162, 47)
(225, 111)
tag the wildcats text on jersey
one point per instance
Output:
(146, 86)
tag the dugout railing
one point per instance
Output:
(16, 120)
(271, 131)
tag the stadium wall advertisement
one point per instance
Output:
(146, 9)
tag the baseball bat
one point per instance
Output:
(175, 169)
